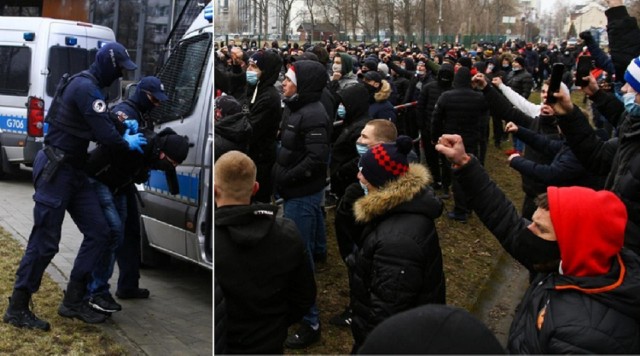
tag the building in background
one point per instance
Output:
(144, 27)
(587, 17)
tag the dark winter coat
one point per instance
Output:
(265, 111)
(617, 157)
(429, 96)
(461, 111)
(344, 156)
(624, 38)
(502, 109)
(232, 133)
(399, 263)
(263, 270)
(602, 320)
(380, 107)
(564, 170)
(301, 163)
(521, 82)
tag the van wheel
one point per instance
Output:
(149, 256)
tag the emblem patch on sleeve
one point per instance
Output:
(99, 106)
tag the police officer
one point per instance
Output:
(78, 115)
(113, 175)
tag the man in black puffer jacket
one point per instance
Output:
(585, 297)
(261, 264)
(300, 172)
(460, 110)
(398, 264)
(263, 100)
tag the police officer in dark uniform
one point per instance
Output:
(78, 115)
(113, 174)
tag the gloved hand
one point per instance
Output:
(135, 141)
(587, 37)
(131, 125)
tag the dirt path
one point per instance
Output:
(497, 302)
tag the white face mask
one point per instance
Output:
(337, 68)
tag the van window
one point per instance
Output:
(15, 64)
(64, 60)
(73, 60)
(182, 78)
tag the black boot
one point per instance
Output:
(74, 306)
(19, 315)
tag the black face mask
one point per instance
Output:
(537, 253)
(372, 90)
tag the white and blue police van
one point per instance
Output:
(34, 54)
(181, 225)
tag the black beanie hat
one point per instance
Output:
(258, 59)
(520, 61)
(373, 75)
(386, 161)
(409, 64)
(465, 62)
(431, 329)
(371, 64)
(228, 105)
(174, 146)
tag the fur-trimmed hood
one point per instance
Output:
(384, 92)
(408, 193)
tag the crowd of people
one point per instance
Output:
(388, 133)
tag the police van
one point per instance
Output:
(34, 53)
(180, 225)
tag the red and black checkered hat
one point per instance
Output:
(386, 161)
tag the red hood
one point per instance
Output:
(589, 226)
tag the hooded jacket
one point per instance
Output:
(398, 265)
(265, 111)
(380, 106)
(617, 157)
(263, 270)
(593, 305)
(344, 156)
(305, 132)
(348, 78)
(232, 133)
(460, 111)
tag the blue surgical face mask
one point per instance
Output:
(361, 148)
(342, 112)
(252, 77)
(629, 100)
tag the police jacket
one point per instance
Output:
(564, 170)
(265, 111)
(617, 157)
(344, 156)
(79, 114)
(460, 111)
(398, 264)
(263, 270)
(301, 163)
(502, 109)
(560, 313)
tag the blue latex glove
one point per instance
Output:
(131, 125)
(135, 141)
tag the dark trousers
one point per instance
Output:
(128, 255)
(68, 190)
(431, 156)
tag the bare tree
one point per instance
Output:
(310, 9)
(284, 7)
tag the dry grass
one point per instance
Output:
(66, 337)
